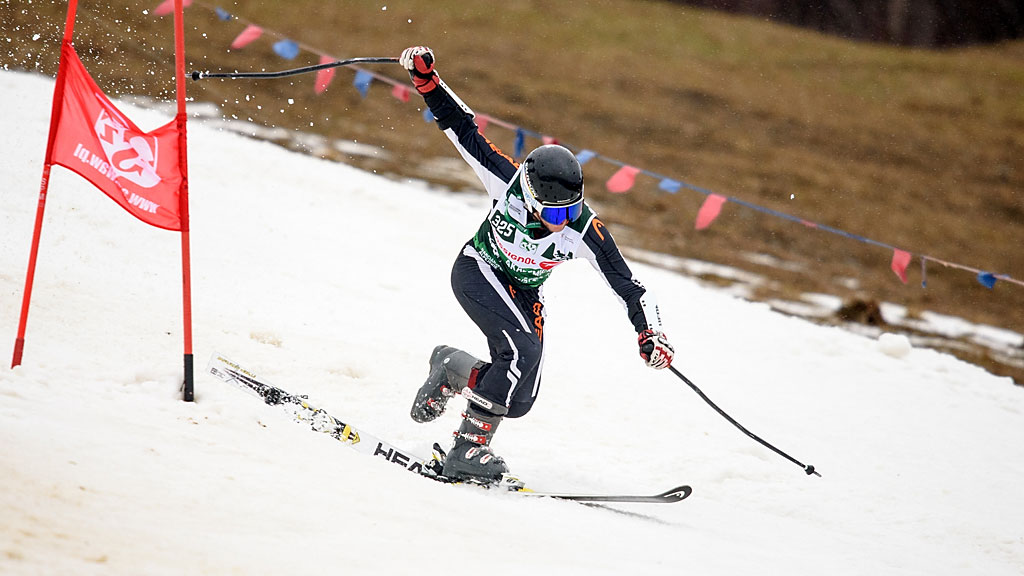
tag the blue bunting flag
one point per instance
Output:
(584, 156)
(987, 279)
(286, 49)
(669, 185)
(362, 82)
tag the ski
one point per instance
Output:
(668, 497)
(320, 421)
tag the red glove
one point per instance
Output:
(419, 61)
(655, 349)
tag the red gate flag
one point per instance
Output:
(138, 170)
(145, 172)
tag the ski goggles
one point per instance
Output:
(558, 214)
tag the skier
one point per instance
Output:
(537, 220)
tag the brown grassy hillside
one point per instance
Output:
(923, 150)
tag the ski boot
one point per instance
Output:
(471, 459)
(451, 371)
(434, 469)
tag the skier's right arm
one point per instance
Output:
(491, 165)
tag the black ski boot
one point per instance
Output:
(451, 370)
(471, 458)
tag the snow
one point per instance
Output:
(895, 345)
(334, 282)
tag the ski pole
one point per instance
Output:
(197, 75)
(807, 468)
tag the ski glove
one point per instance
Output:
(655, 349)
(419, 61)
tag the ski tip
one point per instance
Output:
(676, 494)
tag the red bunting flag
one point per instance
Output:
(167, 7)
(324, 77)
(549, 139)
(401, 91)
(622, 180)
(246, 37)
(138, 170)
(482, 120)
(900, 261)
(709, 210)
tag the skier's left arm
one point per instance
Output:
(599, 247)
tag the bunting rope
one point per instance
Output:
(621, 181)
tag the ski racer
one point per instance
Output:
(538, 219)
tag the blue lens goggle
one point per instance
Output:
(559, 214)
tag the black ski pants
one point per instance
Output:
(512, 319)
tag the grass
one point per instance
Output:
(920, 149)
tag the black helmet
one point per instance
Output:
(552, 183)
(553, 175)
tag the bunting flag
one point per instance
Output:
(900, 261)
(585, 156)
(324, 77)
(167, 7)
(987, 279)
(246, 37)
(709, 210)
(622, 180)
(138, 170)
(401, 92)
(287, 49)
(669, 185)
(362, 82)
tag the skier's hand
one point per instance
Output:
(655, 349)
(419, 61)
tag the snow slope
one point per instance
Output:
(334, 282)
